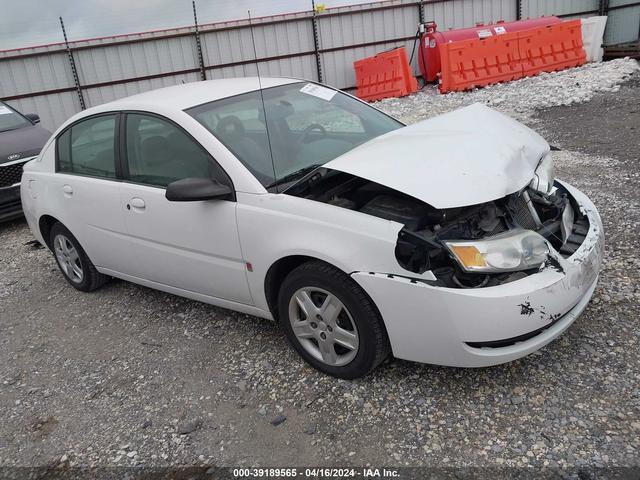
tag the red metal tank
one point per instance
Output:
(429, 54)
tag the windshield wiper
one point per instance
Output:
(294, 175)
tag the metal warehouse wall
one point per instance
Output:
(569, 8)
(40, 79)
(623, 21)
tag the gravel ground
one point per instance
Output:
(130, 376)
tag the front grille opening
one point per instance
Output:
(10, 174)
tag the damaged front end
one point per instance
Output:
(487, 244)
(521, 225)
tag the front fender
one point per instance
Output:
(274, 226)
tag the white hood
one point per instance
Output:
(465, 157)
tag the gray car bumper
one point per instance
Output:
(10, 204)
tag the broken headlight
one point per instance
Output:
(508, 252)
(544, 177)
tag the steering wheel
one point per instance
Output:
(304, 136)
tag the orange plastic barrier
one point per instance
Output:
(552, 48)
(476, 63)
(384, 75)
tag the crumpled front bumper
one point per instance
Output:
(461, 327)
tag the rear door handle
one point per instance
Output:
(137, 203)
(68, 190)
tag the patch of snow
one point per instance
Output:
(518, 98)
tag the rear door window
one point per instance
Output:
(88, 147)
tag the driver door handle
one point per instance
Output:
(137, 203)
(67, 190)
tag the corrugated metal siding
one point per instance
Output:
(284, 43)
(338, 66)
(108, 63)
(25, 75)
(621, 3)
(358, 28)
(100, 95)
(374, 26)
(623, 25)
(52, 48)
(539, 8)
(299, 67)
(466, 13)
(237, 45)
(228, 46)
(380, 25)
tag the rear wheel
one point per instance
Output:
(73, 261)
(331, 322)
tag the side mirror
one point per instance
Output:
(197, 189)
(34, 117)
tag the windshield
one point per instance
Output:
(10, 119)
(309, 125)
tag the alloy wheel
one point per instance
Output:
(323, 326)
(68, 258)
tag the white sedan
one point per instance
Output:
(446, 242)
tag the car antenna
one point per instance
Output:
(264, 110)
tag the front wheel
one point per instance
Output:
(331, 322)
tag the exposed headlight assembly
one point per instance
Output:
(544, 176)
(507, 252)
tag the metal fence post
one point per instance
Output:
(316, 42)
(72, 62)
(518, 9)
(203, 75)
(420, 12)
(603, 7)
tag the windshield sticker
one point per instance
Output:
(318, 91)
(4, 110)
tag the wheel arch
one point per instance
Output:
(278, 271)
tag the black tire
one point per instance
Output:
(91, 278)
(373, 345)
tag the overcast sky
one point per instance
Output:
(34, 22)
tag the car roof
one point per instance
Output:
(195, 93)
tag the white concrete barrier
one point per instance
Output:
(592, 34)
